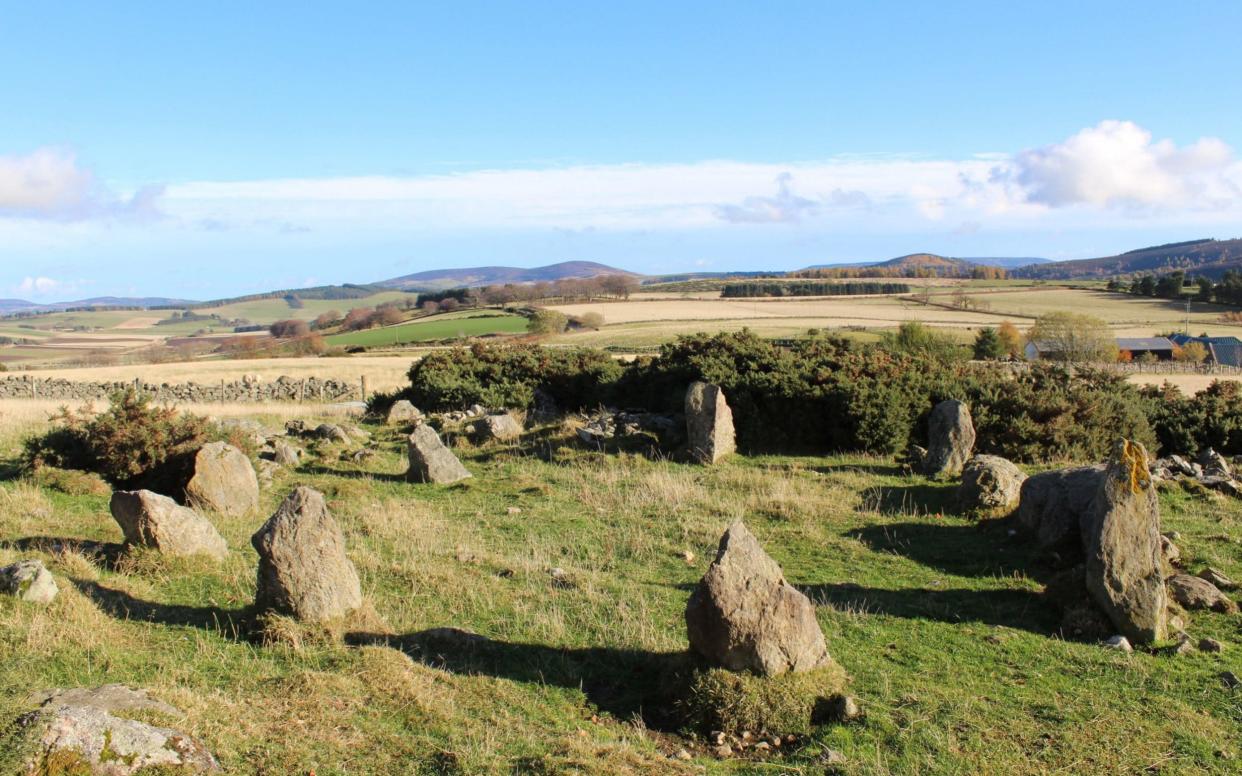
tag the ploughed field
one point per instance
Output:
(938, 620)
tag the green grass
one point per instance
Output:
(438, 327)
(938, 621)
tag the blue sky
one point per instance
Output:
(204, 150)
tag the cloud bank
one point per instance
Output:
(50, 184)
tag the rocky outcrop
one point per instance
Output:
(1124, 562)
(1053, 504)
(744, 616)
(28, 580)
(950, 437)
(990, 483)
(709, 423)
(87, 731)
(150, 520)
(223, 481)
(430, 460)
(303, 568)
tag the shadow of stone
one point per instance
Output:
(105, 554)
(880, 469)
(351, 473)
(230, 623)
(626, 683)
(911, 500)
(982, 549)
(1019, 609)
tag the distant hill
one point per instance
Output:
(1210, 258)
(941, 264)
(440, 279)
(10, 306)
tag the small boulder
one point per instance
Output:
(1118, 642)
(331, 432)
(150, 520)
(430, 460)
(744, 616)
(28, 580)
(1217, 578)
(1196, 593)
(951, 438)
(990, 483)
(709, 423)
(286, 454)
(497, 427)
(78, 731)
(402, 412)
(1053, 504)
(303, 568)
(1214, 464)
(223, 481)
(1121, 540)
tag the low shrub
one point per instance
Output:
(1190, 424)
(71, 481)
(733, 703)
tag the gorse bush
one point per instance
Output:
(132, 444)
(1191, 424)
(820, 394)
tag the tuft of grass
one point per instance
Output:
(734, 703)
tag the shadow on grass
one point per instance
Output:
(982, 549)
(626, 683)
(355, 474)
(230, 623)
(1018, 609)
(911, 500)
(878, 469)
(106, 554)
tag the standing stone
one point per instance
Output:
(150, 520)
(744, 616)
(951, 437)
(1123, 571)
(1054, 504)
(223, 481)
(28, 580)
(499, 427)
(430, 460)
(709, 423)
(990, 483)
(303, 569)
(402, 411)
(79, 727)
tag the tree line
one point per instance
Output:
(1173, 285)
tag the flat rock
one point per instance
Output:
(950, 437)
(744, 616)
(430, 460)
(1054, 504)
(303, 568)
(709, 423)
(223, 481)
(150, 520)
(990, 482)
(1124, 562)
(1197, 593)
(81, 726)
(28, 580)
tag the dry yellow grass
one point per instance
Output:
(1189, 384)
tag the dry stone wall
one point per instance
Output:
(282, 389)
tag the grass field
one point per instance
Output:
(938, 621)
(435, 328)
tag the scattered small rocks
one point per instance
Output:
(1212, 470)
(28, 580)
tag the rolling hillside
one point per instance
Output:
(439, 279)
(1210, 258)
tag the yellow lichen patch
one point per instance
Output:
(1135, 459)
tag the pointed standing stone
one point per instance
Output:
(951, 437)
(150, 520)
(1121, 539)
(303, 569)
(744, 616)
(709, 423)
(430, 460)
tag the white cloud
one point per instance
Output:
(38, 286)
(50, 183)
(1117, 164)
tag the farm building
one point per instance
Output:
(1161, 347)
(1221, 350)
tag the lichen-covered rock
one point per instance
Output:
(80, 731)
(990, 482)
(950, 437)
(744, 616)
(1197, 593)
(303, 568)
(223, 481)
(709, 423)
(430, 460)
(1124, 562)
(497, 427)
(1053, 504)
(150, 520)
(28, 580)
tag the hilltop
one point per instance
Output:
(1207, 257)
(470, 277)
(937, 263)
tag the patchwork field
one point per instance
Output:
(938, 620)
(435, 328)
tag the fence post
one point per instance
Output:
(364, 388)
(222, 390)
